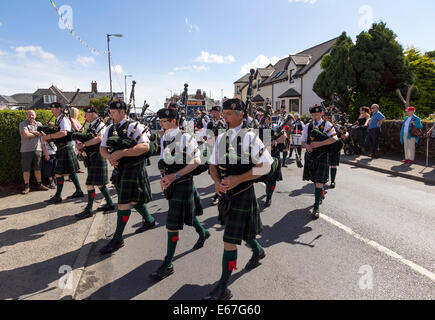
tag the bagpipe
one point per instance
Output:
(319, 136)
(173, 161)
(236, 162)
(49, 128)
(248, 112)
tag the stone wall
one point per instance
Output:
(390, 140)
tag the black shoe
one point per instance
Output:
(316, 214)
(112, 246)
(146, 226)
(268, 203)
(84, 215)
(77, 194)
(200, 243)
(164, 271)
(106, 208)
(332, 186)
(54, 200)
(219, 294)
(284, 166)
(254, 262)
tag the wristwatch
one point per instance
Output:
(177, 176)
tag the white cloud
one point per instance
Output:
(213, 58)
(117, 69)
(1, 24)
(36, 52)
(85, 61)
(260, 62)
(3, 53)
(190, 26)
(304, 1)
(189, 68)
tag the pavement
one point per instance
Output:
(374, 240)
(393, 166)
(371, 224)
(39, 243)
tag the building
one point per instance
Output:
(241, 87)
(7, 102)
(290, 81)
(195, 101)
(42, 98)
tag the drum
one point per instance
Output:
(297, 139)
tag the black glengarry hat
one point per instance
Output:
(216, 108)
(91, 109)
(118, 105)
(234, 104)
(55, 105)
(167, 113)
(316, 109)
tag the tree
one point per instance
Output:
(337, 76)
(100, 104)
(430, 54)
(423, 68)
(379, 63)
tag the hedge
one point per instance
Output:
(10, 142)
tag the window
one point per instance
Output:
(290, 77)
(50, 99)
(277, 105)
(282, 103)
(259, 84)
(238, 89)
(294, 105)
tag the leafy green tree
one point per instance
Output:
(337, 76)
(430, 54)
(423, 68)
(379, 63)
(100, 104)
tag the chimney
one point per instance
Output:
(94, 87)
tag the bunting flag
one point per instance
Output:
(74, 33)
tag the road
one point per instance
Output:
(375, 240)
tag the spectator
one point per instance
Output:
(405, 134)
(372, 142)
(363, 124)
(49, 163)
(31, 151)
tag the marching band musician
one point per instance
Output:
(131, 178)
(241, 215)
(316, 166)
(67, 163)
(216, 123)
(276, 146)
(297, 127)
(181, 197)
(95, 163)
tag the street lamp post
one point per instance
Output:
(125, 80)
(108, 53)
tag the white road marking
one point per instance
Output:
(381, 249)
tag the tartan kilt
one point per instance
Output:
(243, 222)
(67, 162)
(181, 205)
(334, 159)
(97, 170)
(134, 185)
(316, 170)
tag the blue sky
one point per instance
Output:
(208, 44)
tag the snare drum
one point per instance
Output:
(297, 139)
